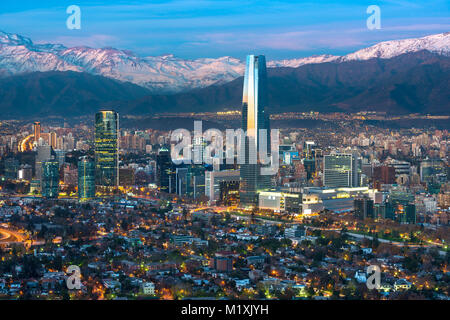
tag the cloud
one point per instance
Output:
(292, 40)
(419, 27)
(94, 41)
(319, 37)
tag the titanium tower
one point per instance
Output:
(254, 118)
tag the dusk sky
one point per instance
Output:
(199, 28)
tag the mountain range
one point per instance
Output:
(167, 73)
(400, 76)
(416, 82)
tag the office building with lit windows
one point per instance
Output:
(165, 171)
(280, 201)
(44, 153)
(254, 118)
(229, 193)
(364, 208)
(37, 131)
(431, 168)
(11, 168)
(190, 181)
(214, 179)
(341, 170)
(106, 148)
(50, 179)
(86, 179)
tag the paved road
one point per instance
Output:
(9, 236)
(396, 243)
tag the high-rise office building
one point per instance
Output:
(190, 181)
(50, 179)
(229, 193)
(401, 167)
(25, 172)
(364, 208)
(404, 209)
(52, 139)
(11, 168)
(70, 174)
(254, 118)
(213, 180)
(406, 213)
(198, 149)
(196, 181)
(60, 156)
(384, 174)
(308, 149)
(309, 158)
(429, 168)
(341, 170)
(44, 153)
(106, 148)
(181, 181)
(165, 171)
(127, 177)
(86, 179)
(310, 167)
(37, 131)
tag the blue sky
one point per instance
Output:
(214, 28)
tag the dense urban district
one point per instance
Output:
(111, 201)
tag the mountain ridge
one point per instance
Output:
(415, 82)
(169, 74)
(409, 83)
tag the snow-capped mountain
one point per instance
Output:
(168, 73)
(19, 55)
(295, 63)
(437, 43)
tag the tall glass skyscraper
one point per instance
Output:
(254, 101)
(44, 153)
(50, 179)
(106, 148)
(165, 171)
(86, 179)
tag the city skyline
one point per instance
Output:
(326, 178)
(387, 204)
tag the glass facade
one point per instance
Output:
(86, 179)
(229, 193)
(213, 179)
(341, 170)
(50, 179)
(190, 181)
(254, 118)
(11, 168)
(44, 153)
(364, 208)
(165, 171)
(106, 149)
(430, 168)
